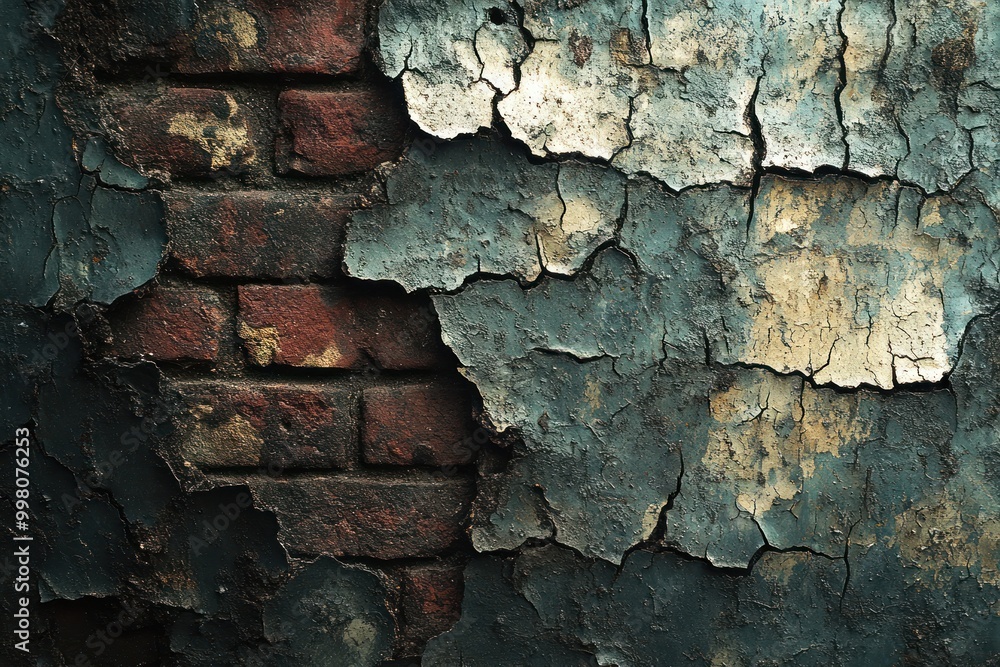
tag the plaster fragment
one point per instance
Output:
(875, 143)
(690, 121)
(453, 59)
(796, 104)
(476, 206)
(566, 103)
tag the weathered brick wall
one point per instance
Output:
(465, 332)
(335, 401)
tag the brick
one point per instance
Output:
(170, 324)
(310, 326)
(183, 131)
(419, 424)
(277, 426)
(337, 133)
(305, 326)
(123, 32)
(431, 602)
(288, 37)
(371, 516)
(402, 332)
(256, 234)
(221, 36)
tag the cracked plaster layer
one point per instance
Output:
(915, 75)
(671, 90)
(76, 223)
(856, 284)
(675, 89)
(770, 397)
(527, 218)
(641, 363)
(880, 517)
(450, 84)
(788, 377)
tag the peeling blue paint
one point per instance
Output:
(64, 232)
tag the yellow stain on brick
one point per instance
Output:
(234, 440)
(328, 358)
(224, 140)
(262, 343)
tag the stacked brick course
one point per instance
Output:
(336, 402)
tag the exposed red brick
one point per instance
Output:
(304, 325)
(372, 516)
(336, 133)
(431, 602)
(283, 36)
(170, 324)
(276, 426)
(184, 131)
(401, 331)
(256, 234)
(221, 36)
(318, 327)
(421, 424)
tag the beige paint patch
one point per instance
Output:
(360, 635)
(567, 241)
(584, 214)
(497, 58)
(780, 568)
(234, 28)
(592, 394)
(743, 447)
(859, 304)
(651, 519)
(561, 108)
(447, 109)
(328, 358)
(453, 61)
(726, 657)
(766, 433)
(946, 539)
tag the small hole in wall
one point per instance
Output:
(497, 16)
